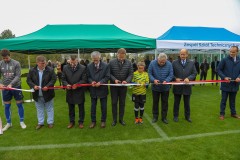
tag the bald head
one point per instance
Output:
(183, 54)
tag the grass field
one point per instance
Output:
(205, 138)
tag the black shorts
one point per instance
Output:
(8, 94)
(139, 98)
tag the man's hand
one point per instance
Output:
(98, 84)
(45, 88)
(94, 83)
(74, 86)
(164, 82)
(69, 86)
(156, 81)
(124, 82)
(237, 80)
(227, 79)
(36, 87)
(117, 81)
(178, 79)
(9, 86)
(186, 80)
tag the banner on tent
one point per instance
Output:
(195, 44)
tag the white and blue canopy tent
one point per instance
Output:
(198, 38)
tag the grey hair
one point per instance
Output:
(95, 53)
(162, 56)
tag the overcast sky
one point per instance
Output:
(149, 18)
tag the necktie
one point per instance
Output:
(183, 62)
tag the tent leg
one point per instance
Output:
(29, 62)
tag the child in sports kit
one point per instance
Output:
(139, 92)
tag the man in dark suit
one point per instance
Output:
(98, 73)
(183, 70)
(229, 69)
(204, 69)
(72, 75)
(196, 63)
(121, 72)
(214, 65)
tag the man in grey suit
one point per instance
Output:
(98, 73)
(183, 70)
(121, 72)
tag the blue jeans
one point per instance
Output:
(232, 99)
(41, 105)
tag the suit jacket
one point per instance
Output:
(48, 80)
(102, 75)
(228, 68)
(213, 65)
(186, 71)
(74, 96)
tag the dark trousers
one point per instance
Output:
(164, 104)
(59, 75)
(177, 99)
(71, 108)
(118, 94)
(214, 73)
(203, 75)
(103, 102)
(232, 99)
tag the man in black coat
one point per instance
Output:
(183, 70)
(98, 73)
(40, 78)
(214, 65)
(121, 72)
(74, 74)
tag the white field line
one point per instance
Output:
(155, 126)
(118, 142)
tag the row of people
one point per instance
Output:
(119, 70)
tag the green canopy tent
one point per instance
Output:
(70, 38)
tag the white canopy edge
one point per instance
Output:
(179, 44)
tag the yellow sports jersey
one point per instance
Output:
(141, 78)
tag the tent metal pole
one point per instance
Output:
(29, 62)
(155, 53)
(220, 58)
(78, 54)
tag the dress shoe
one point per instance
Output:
(235, 116)
(122, 122)
(50, 125)
(71, 125)
(189, 120)
(154, 120)
(221, 117)
(103, 124)
(81, 126)
(165, 121)
(93, 124)
(114, 123)
(39, 126)
(175, 119)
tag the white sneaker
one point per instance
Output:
(8, 125)
(23, 125)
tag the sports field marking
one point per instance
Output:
(155, 126)
(119, 142)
